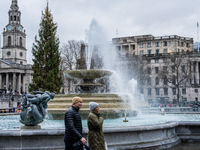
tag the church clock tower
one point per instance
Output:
(14, 37)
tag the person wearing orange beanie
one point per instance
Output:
(73, 124)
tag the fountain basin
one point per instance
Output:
(157, 136)
(88, 84)
(87, 74)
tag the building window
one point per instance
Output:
(9, 41)
(133, 46)
(149, 52)
(196, 90)
(187, 45)
(20, 41)
(157, 91)
(164, 68)
(157, 81)
(21, 54)
(141, 53)
(149, 70)
(196, 99)
(182, 44)
(156, 61)
(165, 50)
(157, 44)
(174, 91)
(21, 63)
(149, 81)
(173, 59)
(15, 18)
(8, 53)
(173, 69)
(183, 91)
(165, 91)
(149, 91)
(141, 45)
(173, 80)
(11, 18)
(148, 61)
(126, 47)
(149, 44)
(165, 43)
(164, 60)
(118, 48)
(183, 68)
(157, 51)
(165, 81)
(156, 69)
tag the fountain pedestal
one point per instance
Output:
(30, 127)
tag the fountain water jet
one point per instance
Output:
(111, 105)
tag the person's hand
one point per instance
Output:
(83, 140)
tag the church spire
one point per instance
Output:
(14, 5)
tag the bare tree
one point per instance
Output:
(71, 55)
(177, 70)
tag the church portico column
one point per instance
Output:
(0, 81)
(19, 84)
(7, 81)
(197, 72)
(14, 81)
(24, 80)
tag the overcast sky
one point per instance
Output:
(129, 17)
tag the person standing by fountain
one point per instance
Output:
(95, 122)
(73, 125)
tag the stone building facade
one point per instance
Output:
(15, 73)
(154, 52)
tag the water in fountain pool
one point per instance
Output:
(12, 122)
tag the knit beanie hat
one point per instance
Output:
(76, 100)
(93, 105)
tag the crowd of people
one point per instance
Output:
(73, 127)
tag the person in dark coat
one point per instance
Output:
(95, 122)
(73, 125)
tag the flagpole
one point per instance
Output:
(197, 37)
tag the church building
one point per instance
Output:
(15, 73)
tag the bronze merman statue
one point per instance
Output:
(34, 107)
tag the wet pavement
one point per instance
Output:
(186, 146)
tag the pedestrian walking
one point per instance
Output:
(73, 125)
(95, 122)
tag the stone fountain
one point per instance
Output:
(111, 105)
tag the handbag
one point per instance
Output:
(78, 145)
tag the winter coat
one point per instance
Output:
(73, 126)
(95, 134)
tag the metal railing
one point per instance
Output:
(8, 97)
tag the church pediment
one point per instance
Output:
(5, 65)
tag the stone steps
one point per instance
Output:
(86, 105)
(110, 104)
(87, 100)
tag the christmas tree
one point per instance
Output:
(46, 54)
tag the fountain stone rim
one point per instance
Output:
(87, 74)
